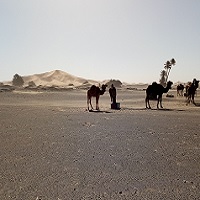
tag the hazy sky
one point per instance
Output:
(129, 40)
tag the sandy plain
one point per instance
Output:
(51, 148)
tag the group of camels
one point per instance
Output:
(190, 90)
(154, 90)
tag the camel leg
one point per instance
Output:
(147, 103)
(91, 103)
(88, 97)
(97, 103)
(159, 101)
(89, 100)
(88, 103)
(188, 100)
(193, 99)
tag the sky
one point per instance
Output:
(127, 40)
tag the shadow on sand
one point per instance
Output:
(100, 111)
(154, 109)
(165, 109)
(132, 109)
(139, 109)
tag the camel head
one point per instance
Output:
(103, 89)
(169, 84)
(196, 83)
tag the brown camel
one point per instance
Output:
(156, 90)
(95, 91)
(186, 88)
(179, 89)
(191, 90)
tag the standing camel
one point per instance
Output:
(179, 89)
(95, 91)
(191, 90)
(156, 90)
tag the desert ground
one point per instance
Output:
(52, 148)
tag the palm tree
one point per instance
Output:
(17, 80)
(168, 66)
(172, 61)
(163, 78)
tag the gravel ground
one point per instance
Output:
(53, 149)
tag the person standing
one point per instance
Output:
(113, 94)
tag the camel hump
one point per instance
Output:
(93, 87)
(94, 90)
(154, 83)
(180, 87)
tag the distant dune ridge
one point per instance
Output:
(60, 78)
(56, 78)
(63, 79)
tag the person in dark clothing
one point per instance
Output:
(113, 94)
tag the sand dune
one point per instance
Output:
(60, 78)
(56, 77)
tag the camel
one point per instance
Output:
(156, 90)
(95, 91)
(191, 90)
(180, 89)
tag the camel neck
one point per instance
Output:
(102, 92)
(166, 89)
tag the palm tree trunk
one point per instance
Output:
(168, 74)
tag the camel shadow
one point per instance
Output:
(99, 111)
(165, 109)
(197, 104)
(132, 109)
(154, 109)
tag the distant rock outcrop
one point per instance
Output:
(116, 83)
(6, 88)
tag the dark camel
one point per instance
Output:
(95, 91)
(156, 90)
(179, 89)
(191, 90)
(186, 88)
